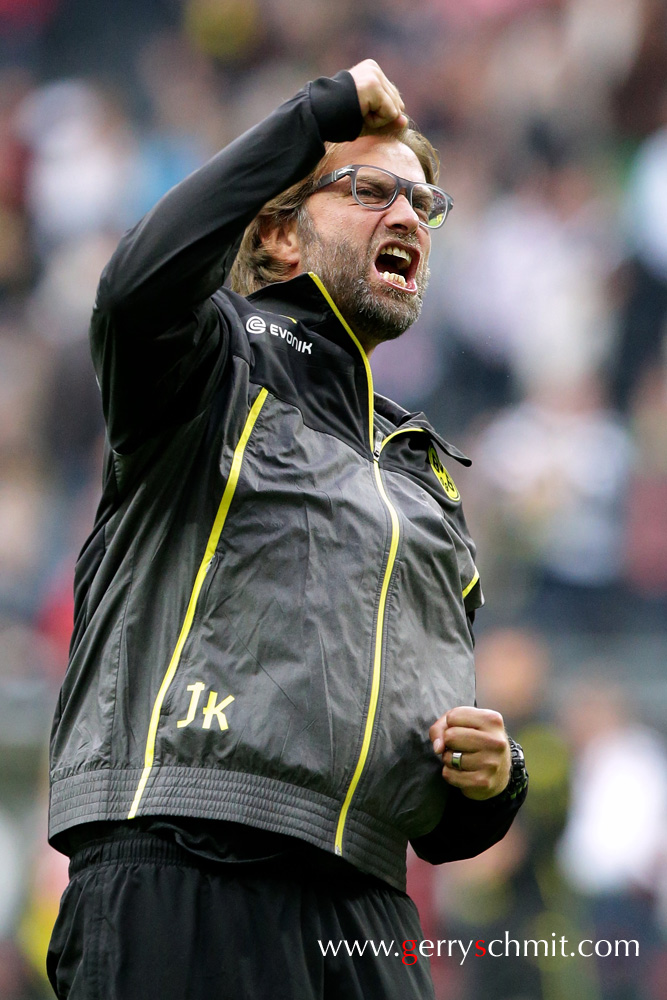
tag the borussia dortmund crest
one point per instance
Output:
(446, 481)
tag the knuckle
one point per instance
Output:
(492, 718)
(498, 743)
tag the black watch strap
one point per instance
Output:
(518, 774)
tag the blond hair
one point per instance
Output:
(255, 266)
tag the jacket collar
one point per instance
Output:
(404, 421)
(302, 299)
(307, 300)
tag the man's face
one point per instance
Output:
(346, 245)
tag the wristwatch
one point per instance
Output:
(518, 774)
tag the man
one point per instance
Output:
(272, 657)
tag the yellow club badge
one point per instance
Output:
(446, 481)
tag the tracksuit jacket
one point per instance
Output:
(273, 607)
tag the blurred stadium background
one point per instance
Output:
(541, 352)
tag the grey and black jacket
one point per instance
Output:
(273, 606)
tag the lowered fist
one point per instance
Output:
(478, 736)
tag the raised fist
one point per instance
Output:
(380, 101)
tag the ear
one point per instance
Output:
(282, 242)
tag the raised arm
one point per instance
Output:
(159, 342)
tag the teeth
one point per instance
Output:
(398, 252)
(396, 278)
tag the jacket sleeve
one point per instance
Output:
(468, 827)
(159, 343)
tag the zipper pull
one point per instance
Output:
(378, 445)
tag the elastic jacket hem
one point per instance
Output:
(371, 845)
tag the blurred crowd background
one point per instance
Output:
(542, 352)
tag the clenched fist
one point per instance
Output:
(381, 103)
(478, 736)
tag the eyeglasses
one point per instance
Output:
(377, 188)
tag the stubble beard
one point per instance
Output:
(375, 313)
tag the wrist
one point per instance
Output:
(336, 108)
(516, 784)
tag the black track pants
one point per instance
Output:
(143, 919)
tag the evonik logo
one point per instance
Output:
(257, 325)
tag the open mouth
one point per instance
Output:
(397, 266)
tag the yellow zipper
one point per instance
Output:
(369, 374)
(376, 449)
(211, 545)
(377, 661)
(391, 558)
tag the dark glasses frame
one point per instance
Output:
(401, 184)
